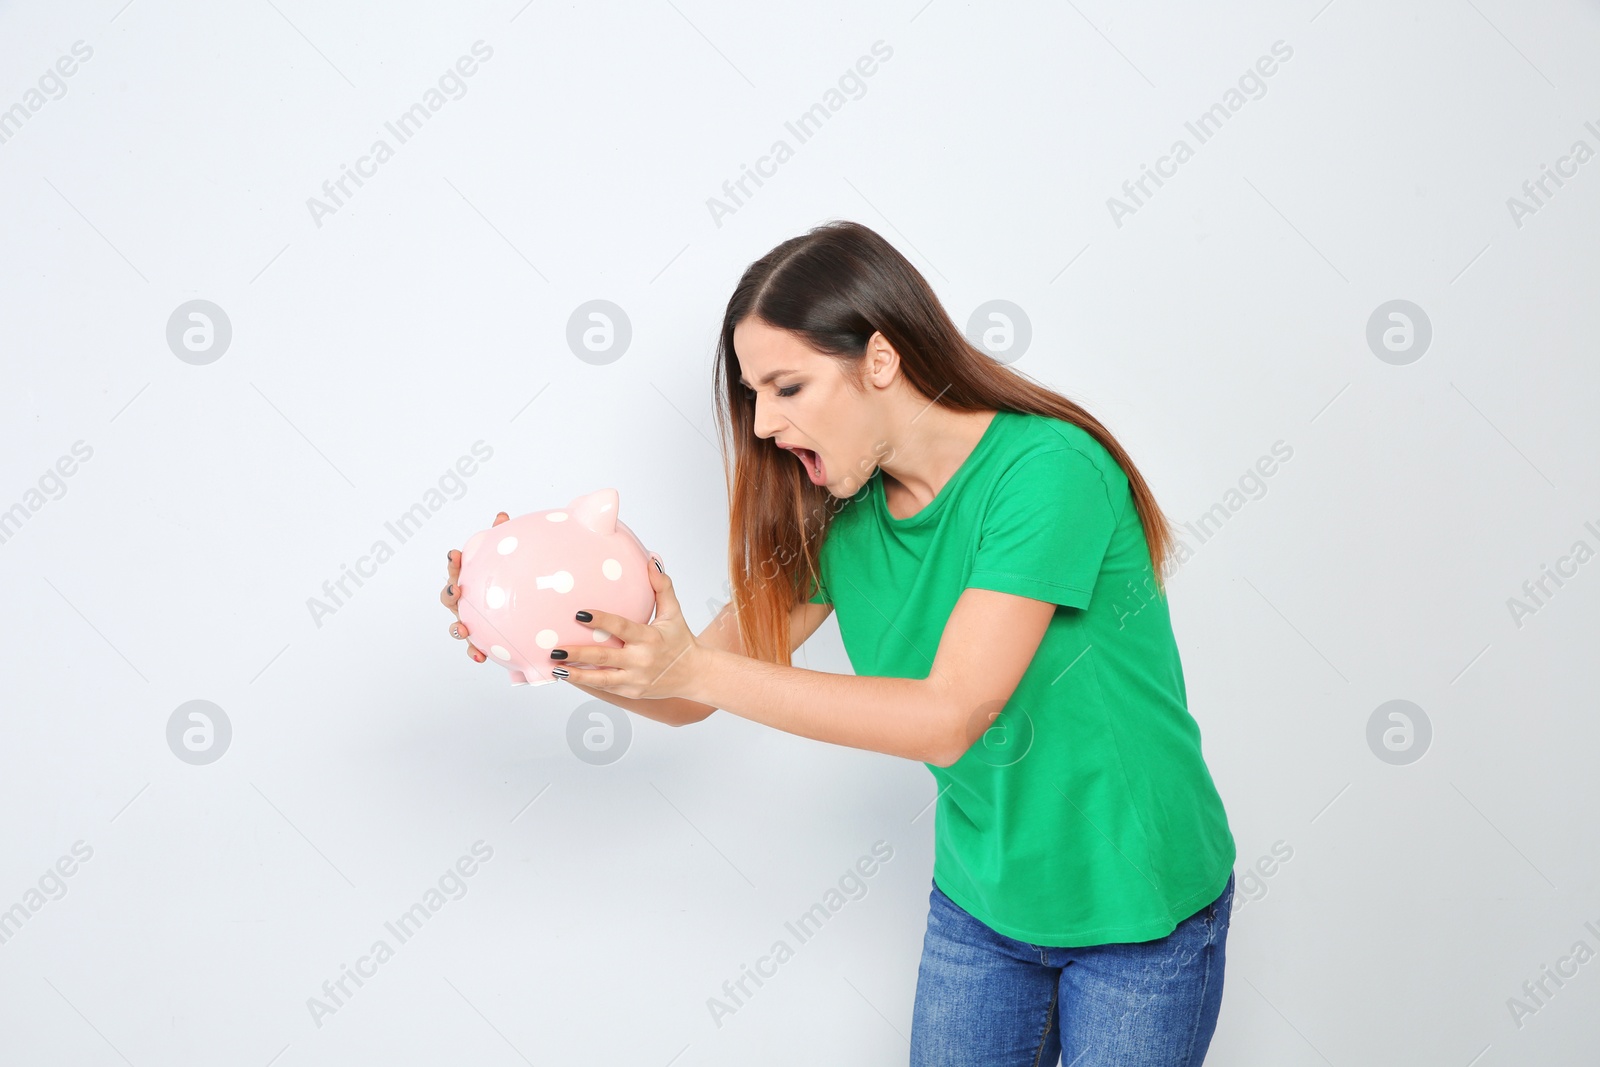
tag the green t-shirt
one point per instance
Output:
(1085, 814)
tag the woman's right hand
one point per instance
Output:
(452, 594)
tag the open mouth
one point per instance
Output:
(812, 462)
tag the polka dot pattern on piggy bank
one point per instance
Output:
(523, 581)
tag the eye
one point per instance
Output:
(786, 392)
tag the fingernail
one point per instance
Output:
(584, 616)
(659, 567)
(449, 590)
(559, 672)
(558, 653)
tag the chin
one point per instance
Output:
(842, 494)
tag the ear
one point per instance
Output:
(882, 362)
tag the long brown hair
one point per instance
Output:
(833, 287)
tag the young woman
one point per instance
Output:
(995, 559)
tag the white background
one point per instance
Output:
(369, 353)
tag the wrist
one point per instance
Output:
(705, 664)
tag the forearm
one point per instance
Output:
(674, 711)
(903, 717)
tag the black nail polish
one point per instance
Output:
(584, 616)
(559, 672)
(449, 590)
(659, 567)
(558, 653)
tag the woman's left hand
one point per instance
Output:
(658, 659)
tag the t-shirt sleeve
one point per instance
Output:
(818, 595)
(1047, 528)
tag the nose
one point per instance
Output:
(766, 426)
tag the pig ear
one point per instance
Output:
(596, 510)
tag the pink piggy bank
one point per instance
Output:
(523, 580)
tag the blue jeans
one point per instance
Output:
(987, 999)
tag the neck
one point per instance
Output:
(929, 446)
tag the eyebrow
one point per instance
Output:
(765, 378)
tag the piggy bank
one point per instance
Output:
(523, 580)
